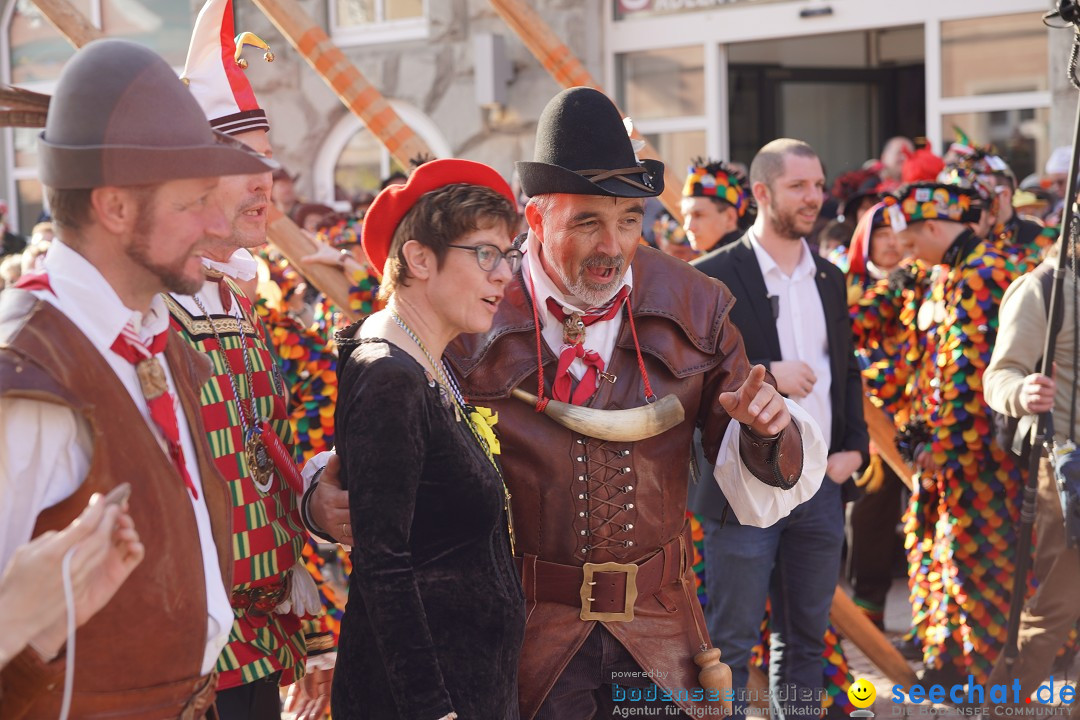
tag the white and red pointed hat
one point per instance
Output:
(214, 71)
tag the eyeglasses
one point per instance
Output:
(488, 256)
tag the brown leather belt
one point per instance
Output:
(184, 699)
(604, 591)
(260, 601)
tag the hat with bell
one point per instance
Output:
(215, 71)
(583, 148)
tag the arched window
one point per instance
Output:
(32, 53)
(352, 161)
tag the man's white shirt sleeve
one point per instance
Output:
(754, 502)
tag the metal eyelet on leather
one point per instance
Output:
(628, 526)
(580, 458)
(580, 441)
(628, 506)
(583, 514)
(627, 488)
(628, 543)
(583, 496)
(625, 470)
(581, 478)
(625, 453)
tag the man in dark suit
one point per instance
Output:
(792, 311)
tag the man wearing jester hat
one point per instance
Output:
(715, 204)
(244, 406)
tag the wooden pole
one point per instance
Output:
(883, 433)
(568, 71)
(359, 95)
(852, 623)
(71, 23)
(280, 230)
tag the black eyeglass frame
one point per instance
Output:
(512, 256)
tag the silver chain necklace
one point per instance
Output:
(260, 465)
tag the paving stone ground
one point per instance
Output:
(897, 620)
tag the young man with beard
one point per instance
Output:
(792, 311)
(96, 392)
(244, 408)
(595, 320)
(961, 520)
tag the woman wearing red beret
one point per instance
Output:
(436, 613)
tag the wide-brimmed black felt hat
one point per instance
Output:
(582, 148)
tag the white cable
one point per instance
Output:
(69, 599)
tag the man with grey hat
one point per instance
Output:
(95, 392)
(595, 323)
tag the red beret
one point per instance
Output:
(392, 204)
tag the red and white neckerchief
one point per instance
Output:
(541, 401)
(574, 327)
(144, 356)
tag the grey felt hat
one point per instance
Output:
(121, 117)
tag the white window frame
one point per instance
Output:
(715, 29)
(330, 150)
(380, 31)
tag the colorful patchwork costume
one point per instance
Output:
(960, 523)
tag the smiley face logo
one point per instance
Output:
(862, 693)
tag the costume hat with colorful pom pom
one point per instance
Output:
(705, 178)
(931, 201)
(214, 71)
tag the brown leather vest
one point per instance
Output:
(577, 499)
(141, 655)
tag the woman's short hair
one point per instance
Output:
(438, 219)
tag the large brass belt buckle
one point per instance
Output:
(587, 583)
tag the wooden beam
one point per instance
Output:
(71, 23)
(347, 82)
(883, 434)
(568, 71)
(281, 231)
(852, 623)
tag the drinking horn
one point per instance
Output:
(614, 425)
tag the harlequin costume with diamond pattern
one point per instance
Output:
(309, 367)
(268, 535)
(960, 523)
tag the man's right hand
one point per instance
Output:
(329, 503)
(1037, 394)
(794, 378)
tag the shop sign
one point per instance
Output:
(635, 8)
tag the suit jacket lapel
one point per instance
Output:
(756, 294)
(830, 303)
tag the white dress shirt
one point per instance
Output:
(800, 325)
(47, 447)
(752, 501)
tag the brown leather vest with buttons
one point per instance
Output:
(141, 655)
(579, 500)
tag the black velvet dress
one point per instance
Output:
(436, 614)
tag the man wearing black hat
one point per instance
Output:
(594, 324)
(96, 392)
